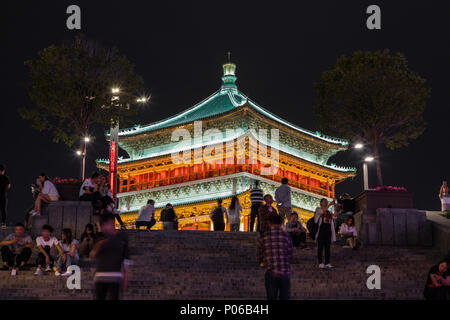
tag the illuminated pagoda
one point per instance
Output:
(227, 153)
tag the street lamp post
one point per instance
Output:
(113, 147)
(366, 172)
(114, 141)
(83, 154)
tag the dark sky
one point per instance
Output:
(280, 50)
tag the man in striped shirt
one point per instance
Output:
(256, 196)
(275, 248)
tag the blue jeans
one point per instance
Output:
(277, 286)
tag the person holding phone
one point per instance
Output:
(326, 233)
(438, 282)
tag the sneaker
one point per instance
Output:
(57, 273)
(67, 274)
(321, 266)
(14, 272)
(38, 272)
(33, 213)
(123, 228)
(328, 266)
(3, 226)
(47, 268)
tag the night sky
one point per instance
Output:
(280, 50)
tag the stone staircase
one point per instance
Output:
(222, 265)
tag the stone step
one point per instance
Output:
(222, 265)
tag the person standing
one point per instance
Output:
(445, 197)
(5, 185)
(48, 193)
(16, 249)
(146, 216)
(256, 196)
(168, 217)
(283, 199)
(112, 258)
(275, 250)
(217, 216)
(325, 233)
(266, 211)
(233, 214)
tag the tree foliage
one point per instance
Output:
(70, 86)
(373, 97)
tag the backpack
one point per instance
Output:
(217, 215)
(312, 228)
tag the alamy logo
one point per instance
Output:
(374, 21)
(374, 281)
(74, 281)
(74, 20)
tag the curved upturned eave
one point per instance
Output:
(129, 132)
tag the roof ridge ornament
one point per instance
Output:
(229, 74)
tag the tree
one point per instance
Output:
(71, 84)
(373, 97)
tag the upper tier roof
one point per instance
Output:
(222, 101)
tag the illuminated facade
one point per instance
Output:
(232, 142)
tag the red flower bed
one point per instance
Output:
(58, 180)
(390, 188)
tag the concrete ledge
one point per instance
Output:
(441, 231)
(64, 214)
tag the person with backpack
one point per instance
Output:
(217, 216)
(325, 234)
(233, 214)
(168, 217)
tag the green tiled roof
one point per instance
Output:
(222, 101)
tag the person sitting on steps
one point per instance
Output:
(45, 243)
(296, 231)
(70, 248)
(16, 249)
(438, 282)
(47, 193)
(168, 217)
(146, 216)
(87, 241)
(348, 232)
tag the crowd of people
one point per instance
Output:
(280, 231)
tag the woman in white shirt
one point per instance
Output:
(47, 193)
(348, 232)
(233, 214)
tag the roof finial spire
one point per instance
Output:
(229, 73)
